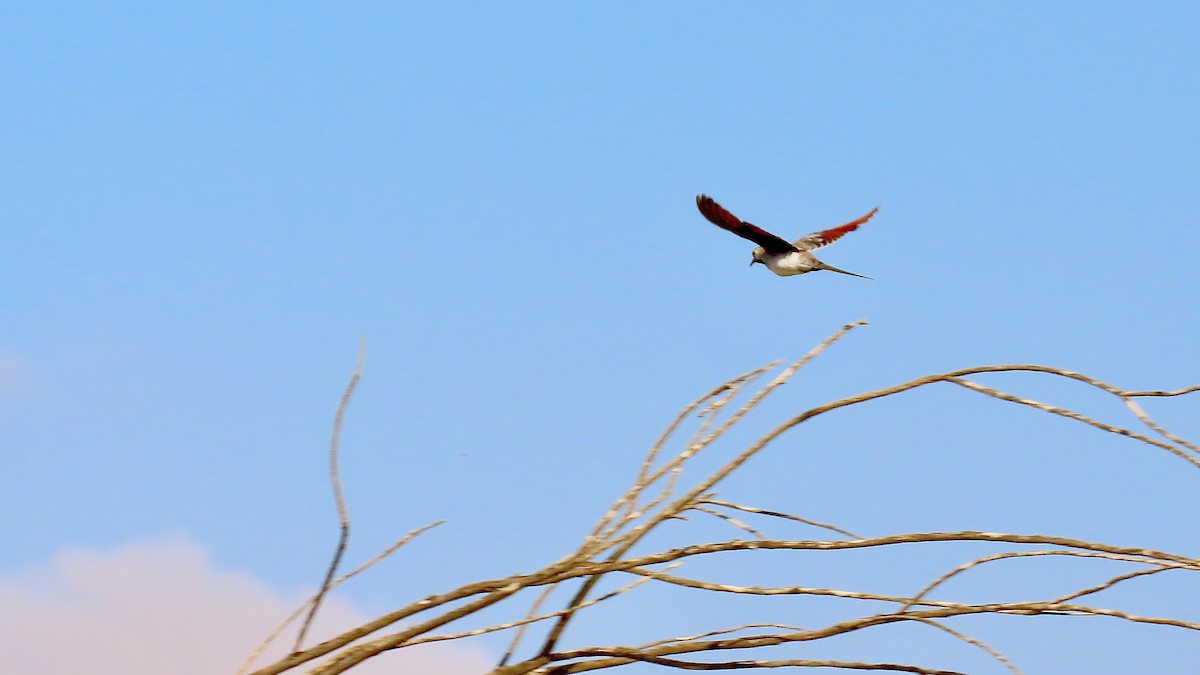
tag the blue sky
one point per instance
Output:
(207, 204)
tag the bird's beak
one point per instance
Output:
(753, 260)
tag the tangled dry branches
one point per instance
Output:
(660, 494)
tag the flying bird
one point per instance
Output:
(777, 254)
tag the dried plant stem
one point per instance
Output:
(663, 492)
(270, 639)
(974, 642)
(335, 479)
(1143, 556)
(620, 656)
(528, 620)
(1149, 422)
(777, 514)
(628, 540)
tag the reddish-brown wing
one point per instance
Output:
(718, 216)
(825, 237)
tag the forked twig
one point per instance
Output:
(628, 540)
(532, 619)
(778, 514)
(1148, 421)
(1142, 556)
(1012, 668)
(652, 500)
(262, 647)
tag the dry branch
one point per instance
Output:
(663, 491)
(339, 498)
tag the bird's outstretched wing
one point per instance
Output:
(825, 237)
(717, 215)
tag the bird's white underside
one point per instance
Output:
(790, 263)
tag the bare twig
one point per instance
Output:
(339, 498)
(1070, 414)
(631, 538)
(528, 620)
(1143, 556)
(722, 631)
(778, 514)
(1012, 668)
(621, 655)
(520, 632)
(258, 651)
(1148, 421)
(731, 520)
(721, 394)
(1109, 583)
(746, 664)
(652, 501)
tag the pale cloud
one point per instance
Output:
(161, 607)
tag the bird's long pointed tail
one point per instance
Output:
(831, 268)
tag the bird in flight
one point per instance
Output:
(777, 254)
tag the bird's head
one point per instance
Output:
(756, 256)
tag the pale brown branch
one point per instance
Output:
(1141, 556)
(1177, 392)
(357, 654)
(1149, 421)
(722, 631)
(335, 480)
(730, 388)
(1070, 414)
(528, 620)
(779, 590)
(490, 589)
(683, 503)
(991, 651)
(731, 520)
(673, 469)
(622, 655)
(1109, 583)
(499, 589)
(747, 664)
(258, 651)
(778, 514)
(636, 534)
(671, 555)
(520, 632)
(652, 500)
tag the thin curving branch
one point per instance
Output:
(777, 514)
(663, 492)
(627, 541)
(335, 479)
(270, 639)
